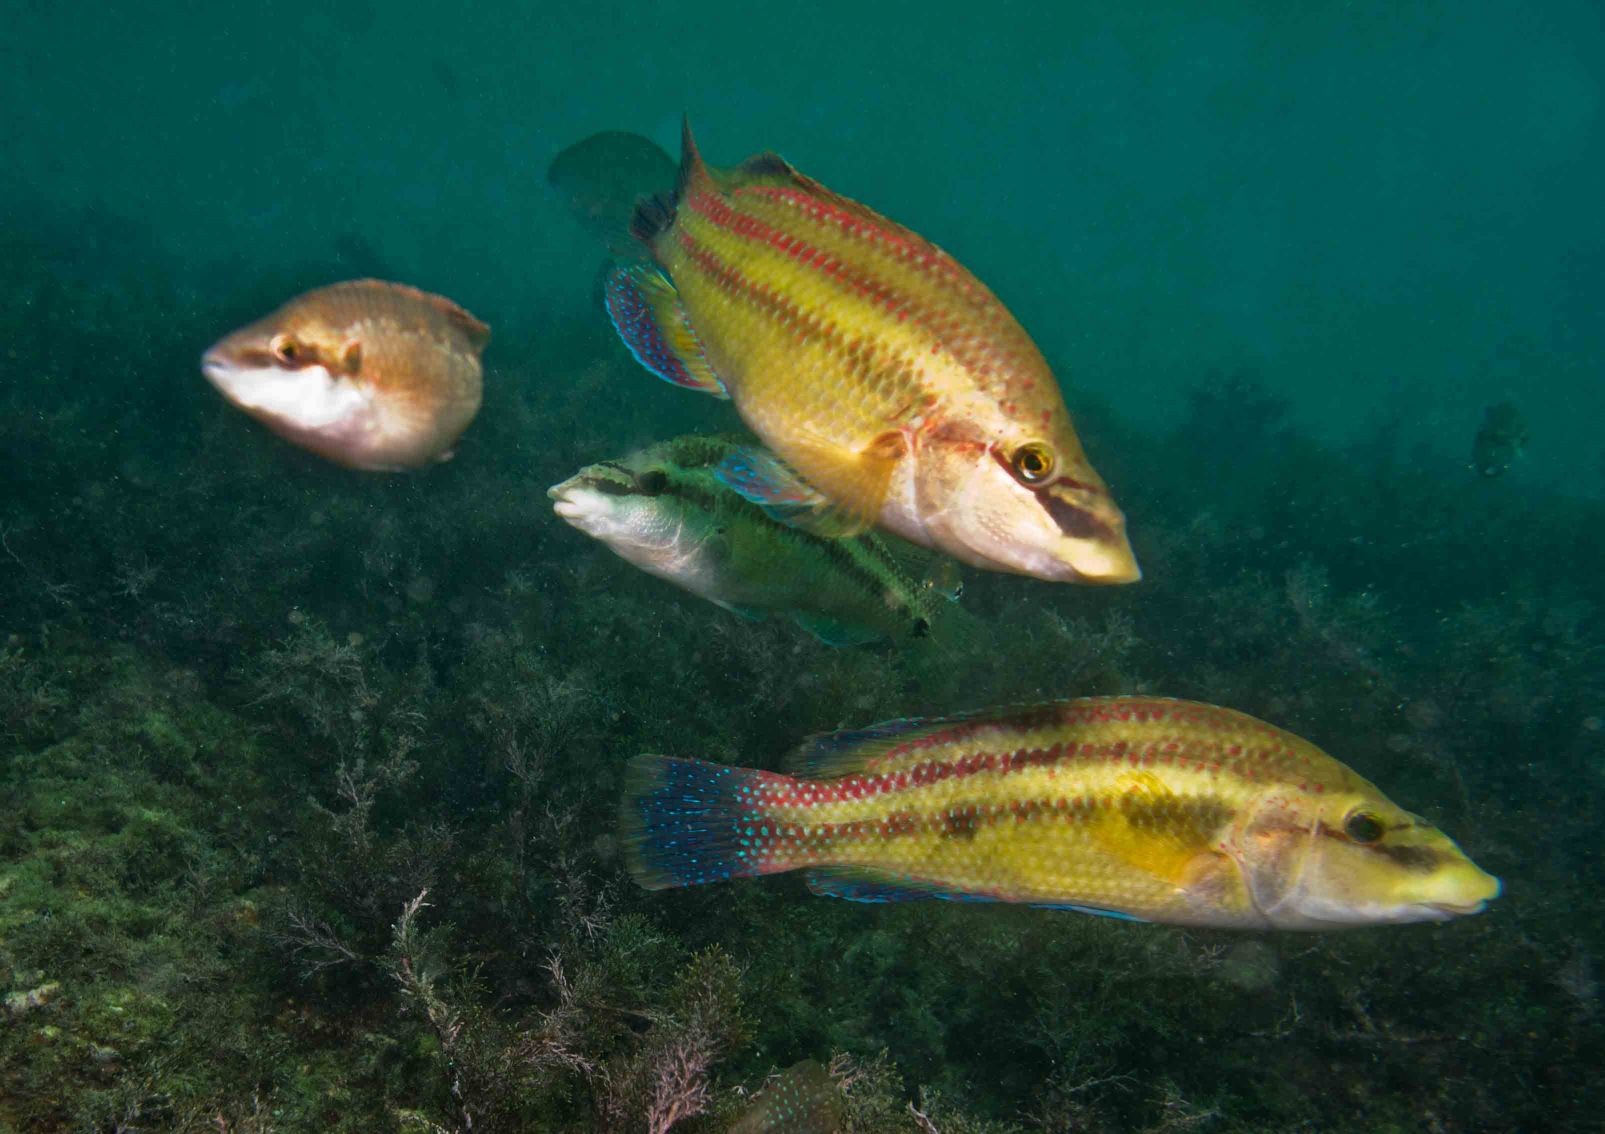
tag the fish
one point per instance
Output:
(370, 375)
(1142, 808)
(872, 364)
(601, 177)
(802, 1099)
(1500, 440)
(666, 510)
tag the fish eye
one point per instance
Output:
(285, 349)
(652, 482)
(1362, 827)
(1032, 463)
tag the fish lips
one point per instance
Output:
(584, 503)
(217, 368)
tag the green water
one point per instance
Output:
(252, 705)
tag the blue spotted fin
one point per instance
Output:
(802, 1099)
(756, 474)
(646, 312)
(685, 822)
(766, 480)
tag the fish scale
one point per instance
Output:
(1139, 807)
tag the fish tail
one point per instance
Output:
(686, 822)
(655, 215)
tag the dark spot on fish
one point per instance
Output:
(1078, 523)
(653, 215)
(652, 482)
(961, 822)
(922, 627)
(767, 164)
(1419, 859)
(1188, 819)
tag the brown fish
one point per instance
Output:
(367, 374)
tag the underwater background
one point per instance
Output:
(252, 705)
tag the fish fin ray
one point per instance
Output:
(694, 173)
(654, 214)
(853, 482)
(850, 750)
(646, 313)
(834, 632)
(682, 821)
(1095, 911)
(750, 613)
(757, 475)
(867, 884)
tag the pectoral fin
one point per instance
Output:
(647, 314)
(853, 482)
(1153, 830)
(841, 495)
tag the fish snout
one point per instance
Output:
(216, 366)
(578, 503)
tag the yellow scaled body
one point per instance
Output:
(875, 365)
(1154, 809)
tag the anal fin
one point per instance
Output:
(647, 314)
(834, 632)
(867, 884)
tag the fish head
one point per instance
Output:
(1027, 504)
(628, 506)
(1352, 857)
(297, 372)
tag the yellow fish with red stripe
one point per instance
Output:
(1137, 807)
(371, 375)
(894, 387)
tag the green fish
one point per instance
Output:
(670, 510)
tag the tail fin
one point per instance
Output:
(654, 215)
(686, 822)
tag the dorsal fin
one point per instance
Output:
(850, 750)
(654, 215)
(769, 168)
(693, 170)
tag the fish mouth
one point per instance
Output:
(577, 502)
(1456, 909)
(564, 503)
(1444, 911)
(216, 368)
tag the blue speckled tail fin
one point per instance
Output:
(685, 822)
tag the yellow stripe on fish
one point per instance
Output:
(1146, 808)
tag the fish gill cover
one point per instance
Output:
(310, 776)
